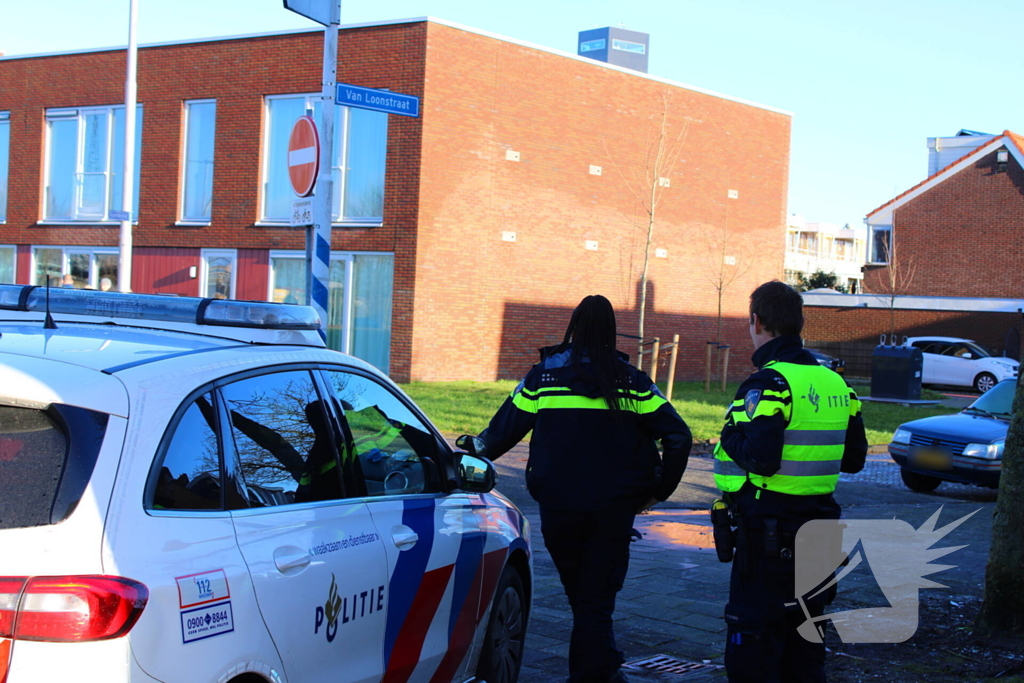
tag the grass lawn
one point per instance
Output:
(466, 407)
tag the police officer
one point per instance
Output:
(792, 428)
(593, 465)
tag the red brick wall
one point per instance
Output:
(466, 304)
(964, 236)
(867, 324)
(237, 73)
(483, 305)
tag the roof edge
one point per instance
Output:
(914, 302)
(1007, 138)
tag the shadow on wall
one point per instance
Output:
(853, 333)
(527, 327)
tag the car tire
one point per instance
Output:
(922, 483)
(502, 654)
(984, 382)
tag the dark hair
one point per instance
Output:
(592, 333)
(779, 307)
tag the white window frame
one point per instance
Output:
(57, 113)
(341, 131)
(66, 251)
(5, 166)
(14, 269)
(872, 258)
(204, 256)
(182, 218)
(348, 257)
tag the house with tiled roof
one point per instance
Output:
(956, 242)
(960, 230)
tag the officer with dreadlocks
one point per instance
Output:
(594, 464)
(792, 428)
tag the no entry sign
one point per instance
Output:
(303, 156)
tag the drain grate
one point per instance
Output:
(664, 664)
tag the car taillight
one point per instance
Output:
(5, 654)
(68, 609)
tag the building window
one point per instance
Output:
(5, 150)
(85, 160)
(197, 165)
(359, 307)
(628, 46)
(218, 281)
(880, 243)
(89, 267)
(592, 45)
(360, 147)
(8, 255)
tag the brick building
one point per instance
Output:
(945, 258)
(462, 238)
(960, 229)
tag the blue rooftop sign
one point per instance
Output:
(377, 100)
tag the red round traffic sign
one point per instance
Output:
(303, 156)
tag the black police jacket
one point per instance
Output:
(583, 455)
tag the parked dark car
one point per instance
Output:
(830, 362)
(965, 448)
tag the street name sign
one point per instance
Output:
(303, 156)
(377, 100)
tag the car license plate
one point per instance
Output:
(932, 459)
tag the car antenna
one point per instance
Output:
(48, 324)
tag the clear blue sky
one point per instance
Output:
(866, 81)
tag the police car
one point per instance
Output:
(197, 490)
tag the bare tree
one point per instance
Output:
(647, 183)
(725, 258)
(1002, 612)
(896, 280)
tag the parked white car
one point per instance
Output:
(961, 362)
(197, 490)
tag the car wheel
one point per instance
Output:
(502, 653)
(922, 483)
(984, 382)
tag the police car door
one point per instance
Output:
(317, 563)
(435, 543)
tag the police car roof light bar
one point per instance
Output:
(220, 312)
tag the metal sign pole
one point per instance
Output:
(124, 265)
(320, 250)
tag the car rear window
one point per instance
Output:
(46, 460)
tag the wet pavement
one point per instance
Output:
(676, 587)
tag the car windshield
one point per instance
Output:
(998, 400)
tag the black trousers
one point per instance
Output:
(591, 552)
(763, 645)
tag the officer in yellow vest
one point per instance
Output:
(792, 428)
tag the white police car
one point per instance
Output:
(197, 490)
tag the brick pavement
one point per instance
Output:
(676, 588)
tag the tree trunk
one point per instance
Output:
(1002, 612)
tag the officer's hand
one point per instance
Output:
(471, 444)
(648, 505)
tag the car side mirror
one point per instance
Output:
(474, 474)
(967, 356)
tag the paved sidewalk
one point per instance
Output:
(676, 588)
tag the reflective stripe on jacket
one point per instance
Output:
(817, 406)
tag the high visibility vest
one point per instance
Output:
(817, 405)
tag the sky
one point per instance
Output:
(867, 81)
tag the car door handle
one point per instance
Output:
(404, 537)
(288, 561)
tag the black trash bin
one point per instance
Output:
(896, 372)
